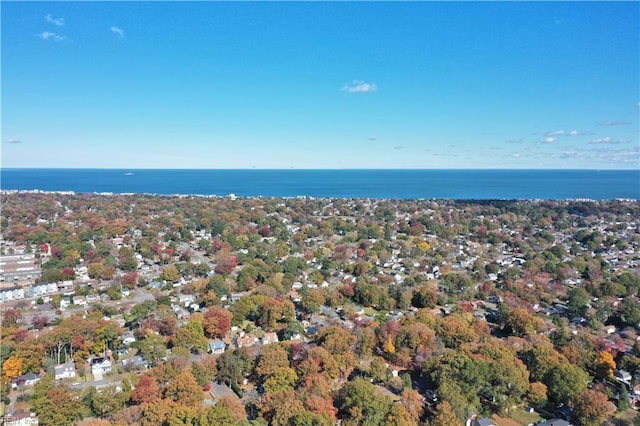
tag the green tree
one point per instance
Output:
(153, 348)
(362, 405)
(191, 337)
(577, 301)
(55, 404)
(107, 401)
(565, 382)
(234, 365)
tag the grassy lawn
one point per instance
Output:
(525, 418)
(370, 311)
(622, 418)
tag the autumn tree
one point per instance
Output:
(12, 367)
(191, 337)
(226, 264)
(217, 322)
(227, 411)
(605, 365)
(280, 407)
(591, 408)
(147, 390)
(55, 404)
(184, 390)
(413, 402)
(107, 401)
(170, 273)
(399, 415)
(520, 322)
(444, 416)
(537, 394)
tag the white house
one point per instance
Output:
(42, 289)
(65, 371)
(28, 379)
(100, 365)
(217, 347)
(128, 338)
(16, 293)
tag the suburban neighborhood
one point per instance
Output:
(448, 312)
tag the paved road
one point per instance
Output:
(109, 381)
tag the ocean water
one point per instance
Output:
(398, 184)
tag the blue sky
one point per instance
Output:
(321, 85)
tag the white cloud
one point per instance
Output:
(58, 22)
(609, 140)
(359, 86)
(13, 141)
(46, 35)
(117, 31)
(549, 140)
(613, 123)
(578, 133)
(555, 133)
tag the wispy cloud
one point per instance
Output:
(58, 22)
(117, 31)
(549, 140)
(613, 123)
(609, 140)
(13, 141)
(46, 35)
(554, 133)
(359, 86)
(373, 138)
(578, 133)
(398, 147)
(515, 140)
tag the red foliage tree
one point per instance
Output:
(217, 322)
(68, 273)
(40, 321)
(146, 391)
(130, 279)
(265, 231)
(226, 264)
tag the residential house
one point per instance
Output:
(79, 300)
(92, 298)
(128, 338)
(100, 365)
(217, 347)
(269, 338)
(16, 293)
(135, 363)
(65, 371)
(28, 379)
(38, 290)
(246, 341)
(482, 422)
